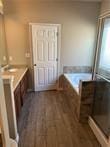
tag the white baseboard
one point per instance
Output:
(98, 133)
(13, 143)
(17, 138)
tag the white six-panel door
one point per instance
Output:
(44, 43)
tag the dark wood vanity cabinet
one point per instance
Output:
(24, 87)
(20, 94)
(17, 98)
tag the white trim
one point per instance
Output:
(59, 46)
(3, 116)
(98, 45)
(10, 100)
(45, 88)
(99, 38)
(17, 138)
(98, 133)
(105, 14)
(46, 24)
(13, 143)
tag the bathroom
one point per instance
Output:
(54, 82)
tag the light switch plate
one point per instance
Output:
(27, 55)
(4, 58)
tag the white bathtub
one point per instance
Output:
(74, 79)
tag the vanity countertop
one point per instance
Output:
(16, 76)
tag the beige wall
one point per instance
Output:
(105, 7)
(1, 6)
(78, 22)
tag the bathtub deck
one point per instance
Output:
(47, 121)
(81, 102)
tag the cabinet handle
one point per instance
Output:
(35, 65)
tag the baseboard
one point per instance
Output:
(13, 143)
(59, 89)
(30, 90)
(17, 138)
(98, 133)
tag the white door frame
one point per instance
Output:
(58, 48)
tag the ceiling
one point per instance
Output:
(52, 0)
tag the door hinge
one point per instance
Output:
(35, 65)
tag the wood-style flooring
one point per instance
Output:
(47, 121)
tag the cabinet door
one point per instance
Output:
(26, 81)
(22, 90)
(24, 87)
(17, 96)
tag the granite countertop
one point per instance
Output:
(15, 76)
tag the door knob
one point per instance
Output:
(35, 65)
(57, 59)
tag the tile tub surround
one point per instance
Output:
(81, 103)
(74, 79)
(86, 97)
(72, 97)
(76, 69)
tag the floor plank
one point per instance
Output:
(47, 121)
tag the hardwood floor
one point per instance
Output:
(47, 121)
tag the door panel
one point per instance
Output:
(51, 75)
(41, 76)
(44, 40)
(40, 50)
(51, 51)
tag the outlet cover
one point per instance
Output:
(27, 55)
